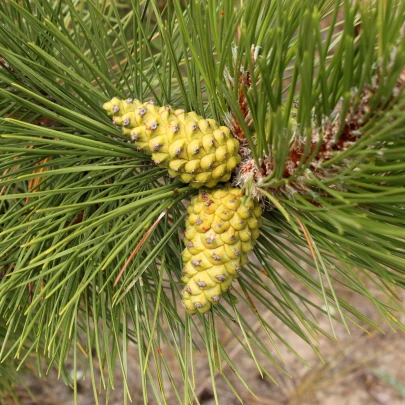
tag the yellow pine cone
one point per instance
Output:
(196, 150)
(221, 228)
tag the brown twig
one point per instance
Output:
(307, 238)
(4, 63)
(138, 246)
(41, 121)
(4, 187)
(34, 182)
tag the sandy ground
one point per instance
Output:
(361, 368)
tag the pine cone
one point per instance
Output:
(221, 229)
(197, 150)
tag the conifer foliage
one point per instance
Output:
(288, 116)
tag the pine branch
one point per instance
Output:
(319, 110)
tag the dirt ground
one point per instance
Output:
(361, 368)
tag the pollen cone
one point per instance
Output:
(197, 150)
(221, 228)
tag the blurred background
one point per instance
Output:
(363, 367)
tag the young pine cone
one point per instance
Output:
(197, 150)
(221, 229)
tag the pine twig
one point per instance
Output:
(138, 246)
